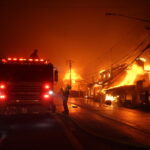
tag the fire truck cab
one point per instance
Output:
(27, 82)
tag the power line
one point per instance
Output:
(131, 30)
(128, 56)
(124, 57)
(137, 55)
(147, 47)
(114, 63)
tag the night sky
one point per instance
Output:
(76, 30)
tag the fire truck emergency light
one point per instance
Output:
(46, 96)
(9, 59)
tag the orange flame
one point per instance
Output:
(110, 97)
(147, 67)
(132, 75)
(74, 76)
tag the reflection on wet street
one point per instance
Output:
(110, 121)
(88, 125)
(133, 117)
(31, 132)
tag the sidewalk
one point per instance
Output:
(132, 117)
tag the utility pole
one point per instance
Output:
(111, 62)
(70, 71)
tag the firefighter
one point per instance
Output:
(65, 95)
(34, 55)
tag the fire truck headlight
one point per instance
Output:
(50, 92)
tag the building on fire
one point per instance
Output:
(127, 85)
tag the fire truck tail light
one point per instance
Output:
(46, 96)
(47, 86)
(2, 86)
(2, 97)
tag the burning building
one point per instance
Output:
(127, 85)
(77, 84)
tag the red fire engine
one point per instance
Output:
(26, 82)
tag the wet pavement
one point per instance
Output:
(26, 131)
(85, 128)
(49, 131)
(110, 122)
(132, 117)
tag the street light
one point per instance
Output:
(130, 17)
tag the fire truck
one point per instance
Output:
(25, 83)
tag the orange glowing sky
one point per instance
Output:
(76, 30)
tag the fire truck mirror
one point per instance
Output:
(56, 75)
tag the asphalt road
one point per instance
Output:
(135, 118)
(80, 130)
(26, 131)
(120, 125)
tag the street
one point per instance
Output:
(32, 132)
(119, 124)
(82, 129)
(131, 117)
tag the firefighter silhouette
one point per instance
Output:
(65, 95)
(34, 55)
